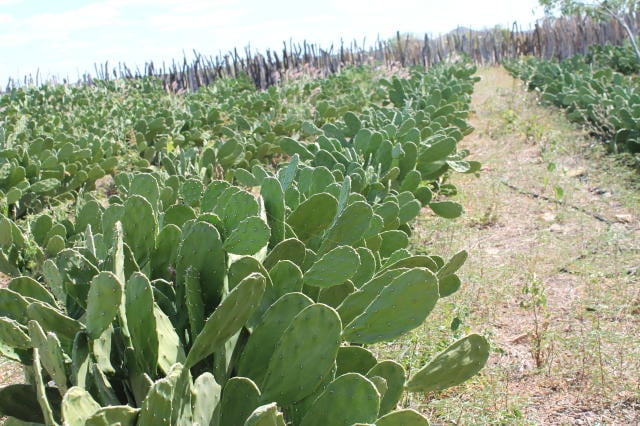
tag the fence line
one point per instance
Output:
(550, 38)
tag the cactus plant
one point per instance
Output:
(332, 408)
(257, 296)
(294, 371)
(452, 366)
(228, 318)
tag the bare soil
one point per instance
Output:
(552, 227)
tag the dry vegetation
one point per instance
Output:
(553, 233)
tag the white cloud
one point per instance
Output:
(136, 31)
(87, 17)
(209, 19)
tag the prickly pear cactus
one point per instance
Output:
(185, 299)
(452, 366)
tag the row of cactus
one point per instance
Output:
(52, 143)
(185, 299)
(594, 95)
(268, 325)
(383, 150)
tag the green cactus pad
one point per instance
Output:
(165, 254)
(77, 272)
(191, 192)
(349, 227)
(241, 205)
(409, 211)
(287, 174)
(455, 263)
(333, 268)
(295, 370)
(170, 350)
(14, 335)
(401, 306)
(349, 399)
(388, 211)
(420, 261)
(141, 321)
(78, 406)
(139, 227)
(240, 396)
(101, 349)
(273, 196)
(206, 393)
(392, 241)
(255, 357)
(211, 195)
(90, 215)
(380, 383)
(157, 406)
(459, 362)
(266, 415)
(40, 228)
(46, 186)
(21, 401)
(103, 390)
(51, 354)
(145, 185)
(195, 305)
(248, 237)
(13, 306)
(103, 303)
(178, 215)
(295, 148)
(286, 277)
(367, 267)
(394, 375)
(228, 318)
(201, 249)
(333, 296)
(80, 359)
(28, 287)
(290, 249)
(242, 268)
(41, 391)
(52, 320)
(245, 178)
(406, 417)
(446, 209)
(122, 415)
(354, 304)
(354, 359)
(182, 401)
(313, 216)
(110, 216)
(449, 285)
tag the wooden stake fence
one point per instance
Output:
(557, 38)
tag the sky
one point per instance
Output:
(65, 38)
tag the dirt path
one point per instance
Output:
(553, 233)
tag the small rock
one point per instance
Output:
(523, 338)
(624, 218)
(557, 228)
(549, 217)
(577, 172)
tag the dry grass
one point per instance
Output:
(555, 289)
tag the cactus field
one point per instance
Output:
(229, 256)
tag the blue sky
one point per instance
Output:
(67, 37)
